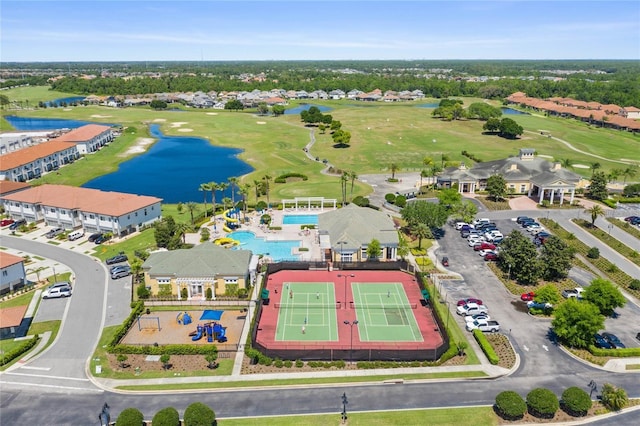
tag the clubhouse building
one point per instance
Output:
(524, 174)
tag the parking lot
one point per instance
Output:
(528, 333)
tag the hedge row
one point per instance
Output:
(618, 353)
(164, 349)
(7, 357)
(283, 178)
(486, 346)
(137, 308)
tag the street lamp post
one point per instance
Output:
(345, 276)
(610, 226)
(344, 407)
(351, 324)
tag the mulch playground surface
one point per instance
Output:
(277, 285)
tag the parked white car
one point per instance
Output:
(472, 318)
(484, 252)
(493, 235)
(484, 325)
(473, 241)
(534, 227)
(471, 309)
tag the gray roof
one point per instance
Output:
(536, 170)
(356, 226)
(204, 260)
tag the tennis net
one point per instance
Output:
(307, 306)
(354, 305)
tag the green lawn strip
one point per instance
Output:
(194, 308)
(456, 333)
(34, 95)
(36, 328)
(482, 415)
(23, 299)
(494, 205)
(633, 367)
(611, 271)
(612, 242)
(304, 381)
(141, 241)
(625, 226)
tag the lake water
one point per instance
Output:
(29, 123)
(511, 111)
(305, 107)
(67, 101)
(173, 169)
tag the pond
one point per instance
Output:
(71, 100)
(173, 169)
(431, 105)
(30, 123)
(305, 107)
(511, 111)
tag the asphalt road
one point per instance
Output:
(57, 392)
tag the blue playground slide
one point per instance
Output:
(209, 330)
(198, 334)
(222, 335)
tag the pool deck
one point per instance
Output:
(309, 239)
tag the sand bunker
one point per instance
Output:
(159, 120)
(67, 109)
(261, 122)
(581, 166)
(212, 113)
(178, 123)
(140, 146)
(185, 130)
(545, 156)
(101, 116)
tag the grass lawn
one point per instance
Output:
(381, 134)
(441, 416)
(140, 241)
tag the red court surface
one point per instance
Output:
(348, 344)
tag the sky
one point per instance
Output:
(214, 30)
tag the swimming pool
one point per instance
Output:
(300, 219)
(276, 250)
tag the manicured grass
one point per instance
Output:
(633, 367)
(440, 416)
(306, 381)
(36, 328)
(381, 134)
(625, 226)
(631, 254)
(23, 299)
(34, 95)
(141, 241)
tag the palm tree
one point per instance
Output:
(595, 212)
(344, 178)
(444, 160)
(182, 228)
(233, 182)
(244, 192)
(421, 230)
(613, 397)
(394, 168)
(614, 174)
(353, 176)
(630, 171)
(205, 187)
(267, 179)
(213, 188)
(257, 185)
(595, 166)
(191, 208)
(226, 201)
(567, 163)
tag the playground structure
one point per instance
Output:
(184, 318)
(212, 331)
(223, 241)
(148, 323)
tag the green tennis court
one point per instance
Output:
(384, 313)
(307, 311)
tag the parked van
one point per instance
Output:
(75, 235)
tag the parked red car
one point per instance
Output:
(526, 297)
(484, 246)
(6, 222)
(490, 256)
(469, 300)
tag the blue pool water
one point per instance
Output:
(300, 219)
(277, 250)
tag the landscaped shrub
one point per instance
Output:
(575, 401)
(361, 201)
(390, 198)
(614, 398)
(510, 405)
(136, 310)
(7, 357)
(130, 417)
(401, 201)
(486, 347)
(198, 414)
(283, 178)
(542, 403)
(167, 417)
(634, 284)
(208, 293)
(593, 253)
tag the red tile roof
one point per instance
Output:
(12, 317)
(84, 133)
(84, 199)
(8, 186)
(7, 259)
(30, 154)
